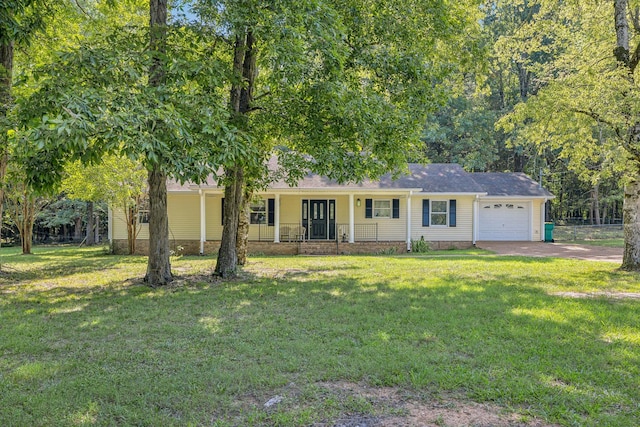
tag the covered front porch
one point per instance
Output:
(292, 216)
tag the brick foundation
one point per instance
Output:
(192, 247)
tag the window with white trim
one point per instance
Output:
(143, 211)
(258, 211)
(439, 212)
(382, 208)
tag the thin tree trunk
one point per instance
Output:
(6, 100)
(25, 223)
(131, 216)
(90, 241)
(595, 194)
(97, 228)
(244, 220)
(77, 233)
(159, 265)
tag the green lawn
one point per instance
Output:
(612, 243)
(83, 342)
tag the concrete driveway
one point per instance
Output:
(560, 250)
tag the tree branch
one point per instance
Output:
(594, 116)
(263, 95)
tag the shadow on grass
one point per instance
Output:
(208, 352)
(57, 262)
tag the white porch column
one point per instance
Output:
(276, 220)
(352, 227)
(203, 221)
(409, 221)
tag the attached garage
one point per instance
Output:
(504, 220)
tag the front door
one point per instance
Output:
(318, 219)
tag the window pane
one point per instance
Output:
(439, 212)
(439, 219)
(439, 206)
(258, 211)
(382, 208)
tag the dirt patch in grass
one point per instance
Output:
(611, 295)
(398, 408)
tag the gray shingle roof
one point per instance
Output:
(431, 178)
(509, 184)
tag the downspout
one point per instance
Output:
(203, 221)
(409, 221)
(474, 222)
(542, 220)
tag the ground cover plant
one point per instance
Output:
(318, 341)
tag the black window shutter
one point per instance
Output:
(368, 208)
(396, 208)
(452, 213)
(222, 216)
(271, 211)
(425, 212)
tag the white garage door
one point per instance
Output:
(504, 221)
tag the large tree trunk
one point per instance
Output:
(90, 241)
(244, 220)
(227, 263)
(244, 67)
(631, 225)
(631, 205)
(158, 266)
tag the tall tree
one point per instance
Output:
(19, 19)
(589, 109)
(119, 181)
(342, 88)
(23, 204)
(158, 266)
(167, 120)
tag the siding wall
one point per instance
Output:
(184, 218)
(463, 230)
(538, 220)
(120, 226)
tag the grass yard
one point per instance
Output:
(331, 339)
(610, 243)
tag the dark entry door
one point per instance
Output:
(319, 220)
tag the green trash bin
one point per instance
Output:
(548, 231)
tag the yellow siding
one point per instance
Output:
(389, 229)
(119, 231)
(184, 216)
(462, 232)
(538, 219)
